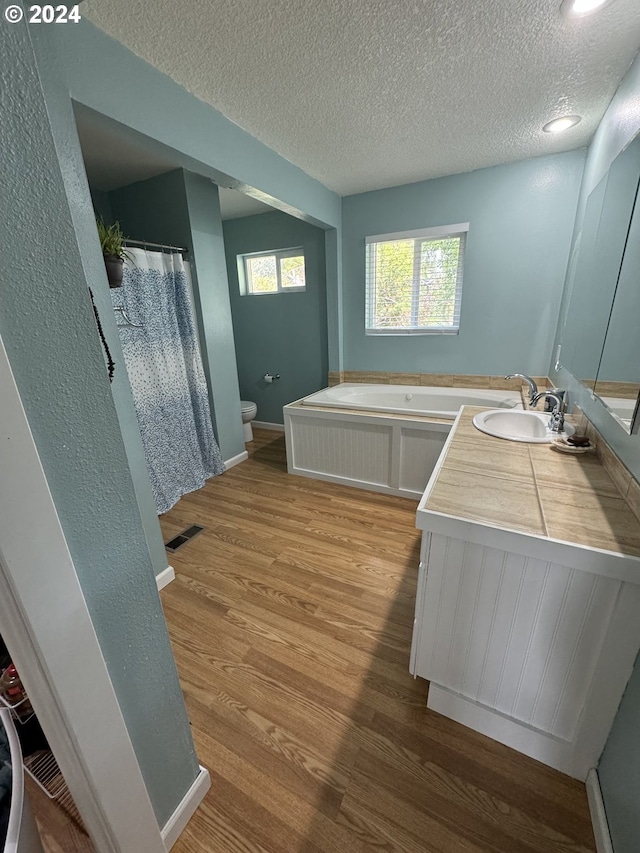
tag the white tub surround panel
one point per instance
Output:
(527, 613)
(387, 453)
(378, 437)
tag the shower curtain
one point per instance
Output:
(166, 375)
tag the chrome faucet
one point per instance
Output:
(533, 388)
(548, 403)
(556, 421)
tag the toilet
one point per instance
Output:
(249, 411)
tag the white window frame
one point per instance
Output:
(459, 229)
(244, 275)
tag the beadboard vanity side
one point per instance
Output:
(527, 638)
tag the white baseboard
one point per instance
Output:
(166, 576)
(267, 425)
(598, 814)
(190, 802)
(236, 460)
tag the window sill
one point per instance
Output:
(376, 332)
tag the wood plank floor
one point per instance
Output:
(58, 832)
(290, 619)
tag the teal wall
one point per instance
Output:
(518, 245)
(214, 309)
(154, 210)
(283, 333)
(619, 768)
(618, 127)
(335, 295)
(625, 315)
(51, 256)
(139, 210)
(619, 771)
(183, 209)
(102, 205)
(78, 420)
(521, 217)
(150, 103)
(593, 273)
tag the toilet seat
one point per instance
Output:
(246, 406)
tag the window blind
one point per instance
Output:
(414, 281)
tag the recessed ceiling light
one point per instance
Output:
(560, 124)
(580, 8)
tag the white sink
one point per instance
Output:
(532, 427)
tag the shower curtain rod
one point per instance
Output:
(145, 243)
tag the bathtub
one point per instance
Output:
(427, 401)
(385, 438)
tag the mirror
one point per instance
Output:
(618, 378)
(600, 341)
(581, 342)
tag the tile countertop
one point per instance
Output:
(528, 489)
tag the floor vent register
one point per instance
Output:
(184, 537)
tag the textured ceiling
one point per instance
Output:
(363, 94)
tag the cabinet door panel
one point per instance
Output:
(518, 635)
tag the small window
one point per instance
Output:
(272, 272)
(414, 281)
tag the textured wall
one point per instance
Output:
(155, 210)
(619, 768)
(335, 291)
(200, 138)
(47, 324)
(521, 218)
(619, 126)
(62, 119)
(625, 315)
(77, 418)
(211, 294)
(102, 205)
(619, 771)
(215, 147)
(182, 209)
(282, 333)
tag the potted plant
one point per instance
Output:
(111, 240)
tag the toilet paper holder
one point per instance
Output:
(271, 377)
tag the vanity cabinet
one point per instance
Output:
(527, 638)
